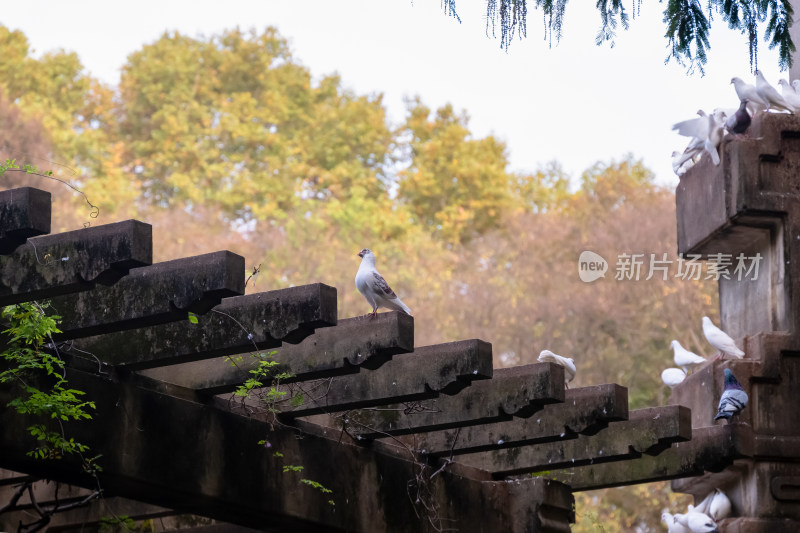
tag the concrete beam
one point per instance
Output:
(512, 392)
(199, 459)
(585, 411)
(647, 431)
(426, 373)
(711, 449)
(238, 324)
(333, 351)
(24, 213)
(151, 295)
(74, 261)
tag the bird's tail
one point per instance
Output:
(398, 305)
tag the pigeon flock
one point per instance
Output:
(707, 130)
(700, 519)
(687, 360)
(716, 506)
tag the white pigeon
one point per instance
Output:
(374, 288)
(684, 358)
(745, 91)
(546, 356)
(697, 522)
(791, 97)
(719, 506)
(672, 525)
(795, 85)
(706, 133)
(720, 340)
(672, 376)
(769, 95)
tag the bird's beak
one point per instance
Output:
(360, 254)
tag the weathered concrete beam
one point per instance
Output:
(512, 392)
(427, 373)
(711, 449)
(332, 351)
(584, 411)
(238, 324)
(75, 261)
(152, 295)
(24, 213)
(199, 459)
(9, 477)
(647, 431)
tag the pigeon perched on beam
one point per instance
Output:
(720, 340)
(733, 398)
(684, 358)
(770, 95)
(791, 97)
(374, 288)
(546, 356)
(745, 91)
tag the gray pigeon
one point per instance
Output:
(733, 398)
(739, 121)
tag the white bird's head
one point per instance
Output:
(736, 81)
(365, 252)
(707, 321)
(673, 344)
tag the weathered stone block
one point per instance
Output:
(24, 213)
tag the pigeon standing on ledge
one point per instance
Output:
(374, 288)
(733, 398)
(684, 358)
(546, 356)
(720, 340)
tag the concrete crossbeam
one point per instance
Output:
(426, 373)
(74, 261)
(512, 392)
(647, 431)
(238, 324)
(585, 411)
(352, 344)
(155, 294)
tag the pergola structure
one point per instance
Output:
(407, 438)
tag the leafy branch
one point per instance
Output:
(29, 363)
(687, 21)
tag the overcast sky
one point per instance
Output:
(575, 103)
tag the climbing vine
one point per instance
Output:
(38, 374)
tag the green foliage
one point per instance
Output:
(11, 165)
(29, 329)
(687, 24)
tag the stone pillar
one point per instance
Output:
(750, 204)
